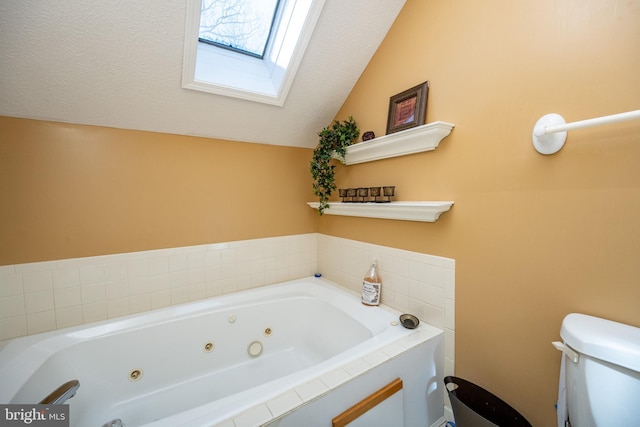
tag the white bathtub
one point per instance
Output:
(197, 365)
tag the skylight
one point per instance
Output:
(226, 68)
(240, 25)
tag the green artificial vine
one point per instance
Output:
(334, 139)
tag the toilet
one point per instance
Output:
(600, 373)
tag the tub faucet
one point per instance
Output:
(63, 393)
(114, 423)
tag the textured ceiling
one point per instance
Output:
(118, 63)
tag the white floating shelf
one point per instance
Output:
(406, 211)
(409, 141)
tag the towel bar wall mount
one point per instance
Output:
(550, 132)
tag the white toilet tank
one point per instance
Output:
(603, 386)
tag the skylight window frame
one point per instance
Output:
(274, 19)
(211, 69)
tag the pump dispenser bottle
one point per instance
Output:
(371, 285)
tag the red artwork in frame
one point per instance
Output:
(408, 109)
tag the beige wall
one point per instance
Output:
(75, 191)
(534, 237)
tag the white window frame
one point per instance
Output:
(221, 71)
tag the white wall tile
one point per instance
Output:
(449, 344)
(401, 303)
(177, 262)
(12, 306)
(138, 267)
(193, 249)
(213, 289)
(159, 282)
(37, 281)
(228, 270)
(117, 289)
(41, 322)
(35, 266)
(139, 285)
(255, 416)
(93, 293)
(229, 285)
(243, 252)
(450, 314)
(401, 266)
(160, 299)
(256, 265)
(68, 316)
(212, 273)
(434, 295)
(66, 278)
(356, 367)
(91, 274)
(158, 265)
(449, 263)
(228, 256)
(38, 301)
(243, 282)
(434, 315)
(218, 246)
(114, 258)
(196, 275)
(11, 284)
(94, 312)
(7, 270)
(116, 271)
(336, 378)
(212, 257)
(284, 403)
(311, 390)
(13, 327)
(140, 303)
(402, 285)
(417, 271)
(179, 295)
(197, 292)
(74, 263)
(178, 279)
(450, 284)
(417, 290)
(118, 307)
(196, 260)
(436, 275)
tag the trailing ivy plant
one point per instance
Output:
(333, 139)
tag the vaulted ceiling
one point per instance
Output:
(119, 64)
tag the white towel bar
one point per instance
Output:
(550, 132)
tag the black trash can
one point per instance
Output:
(474, 406)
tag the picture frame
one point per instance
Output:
(408, 108)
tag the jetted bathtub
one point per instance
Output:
(257, 357)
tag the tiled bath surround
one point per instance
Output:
(420, 284)
(43, 296)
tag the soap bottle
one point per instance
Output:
(371, 286)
